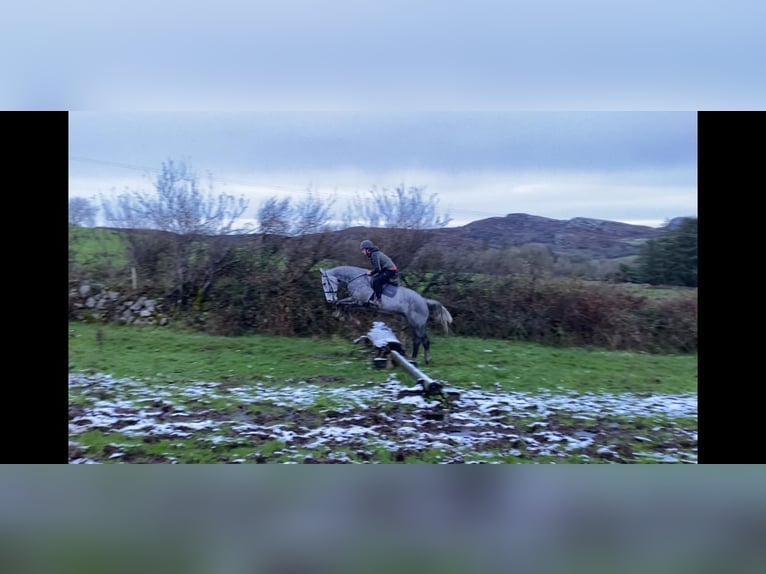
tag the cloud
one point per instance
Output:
(298, 54)
(609, 165)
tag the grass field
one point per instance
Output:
(94, 247)
(161, 395)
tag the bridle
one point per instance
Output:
(330, 289)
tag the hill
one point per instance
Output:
(589, 238)
(580, 238)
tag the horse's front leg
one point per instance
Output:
(348, 302)
(343, 310)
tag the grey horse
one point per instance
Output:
(396, 300)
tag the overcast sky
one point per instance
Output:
(380, 72)
(369, 54)
(636, 167)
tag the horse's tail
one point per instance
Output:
(440, 314)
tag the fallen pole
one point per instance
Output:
(388, 347)
(430, 386)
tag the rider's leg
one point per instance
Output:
(377, 287)
(379, 281)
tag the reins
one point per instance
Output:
(334, 291)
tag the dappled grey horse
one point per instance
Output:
(396, 300)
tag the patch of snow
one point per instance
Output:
(138, 409)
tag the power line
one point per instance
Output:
(133, 167)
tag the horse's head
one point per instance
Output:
(330, 286)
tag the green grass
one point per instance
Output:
(164, 354)
(93, 246)
(195, 383)
(531, 367)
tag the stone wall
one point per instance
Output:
(91, 302)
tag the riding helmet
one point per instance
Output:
(366, 244)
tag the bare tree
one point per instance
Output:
(82, 212)
(281, 217)
(190, 218)
(313, 214)
(405, 209)
(274, 216)
(402, 208)
(178, 205)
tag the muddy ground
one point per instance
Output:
(326, 421)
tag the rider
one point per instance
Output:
(383, 270)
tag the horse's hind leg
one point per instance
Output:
(426, 349)
(419, 337)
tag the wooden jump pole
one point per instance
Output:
(383, 339)
(430, 386)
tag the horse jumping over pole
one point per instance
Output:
(396, 300)
(389, 349)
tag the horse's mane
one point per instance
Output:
(349, 268)
(352, 270)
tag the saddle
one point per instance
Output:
(390, 289)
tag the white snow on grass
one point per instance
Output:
(162, 409)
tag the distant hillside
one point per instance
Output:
(594, 238)
(590, 238)
(581, 236)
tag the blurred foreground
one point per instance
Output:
(375, 519)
